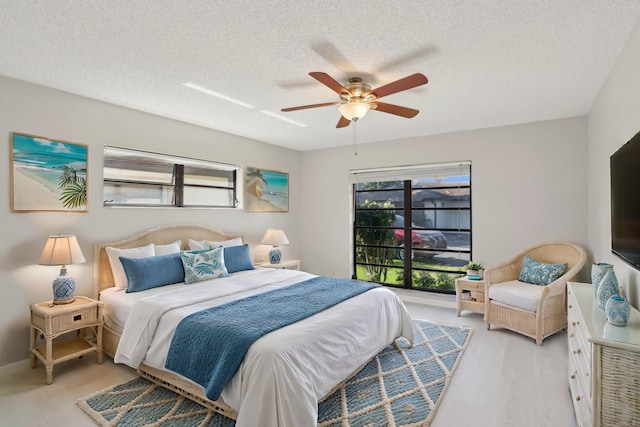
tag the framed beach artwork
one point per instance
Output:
(266, 190)
(47, 174)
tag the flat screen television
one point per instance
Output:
(625, 202)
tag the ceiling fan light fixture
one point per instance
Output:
(354, 110)
(356, 98)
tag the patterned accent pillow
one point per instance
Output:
(539, 273)
(203, 265)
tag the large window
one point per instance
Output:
(412, 225)
(139, 178)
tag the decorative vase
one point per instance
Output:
(597, 274)
(275, 255)
(63, 288)
(617, 310)
(607, 288)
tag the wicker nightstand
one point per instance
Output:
(54, 320)
(289, 264)
(474, 301)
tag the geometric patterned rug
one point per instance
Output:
(401, 386)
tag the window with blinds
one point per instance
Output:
(144, 179)
(412, 225)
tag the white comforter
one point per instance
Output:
(286, 372)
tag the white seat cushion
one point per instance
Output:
(517, 294)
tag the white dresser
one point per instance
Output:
(604, 362)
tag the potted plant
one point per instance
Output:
(474, 269)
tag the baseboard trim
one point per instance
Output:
(14, 367)
(429, 298)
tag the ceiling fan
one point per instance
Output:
(357, 98)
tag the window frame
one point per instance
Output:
(406, 174)
(170, 190)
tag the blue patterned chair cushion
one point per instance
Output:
(203, 265)
(539, 273)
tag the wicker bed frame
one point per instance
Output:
(103, 279)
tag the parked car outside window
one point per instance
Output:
(420, 239)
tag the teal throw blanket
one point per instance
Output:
(208, 346)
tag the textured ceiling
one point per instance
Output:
(489, 62)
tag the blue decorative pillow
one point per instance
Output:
(238, 258)
(539, 273)
(152, 272)
(203, 265)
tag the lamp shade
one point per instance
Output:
(275, 238)
(61, 250)
(354, 110)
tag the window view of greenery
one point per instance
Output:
(414, 233)
(138, 178)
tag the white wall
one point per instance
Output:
(613, 120)
(45, 112)
(528, 187)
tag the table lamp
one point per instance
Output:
(275, 238)
(62, 250)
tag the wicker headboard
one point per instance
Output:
(162, 235)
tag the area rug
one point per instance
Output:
(401, 386)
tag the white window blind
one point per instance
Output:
(440, 171)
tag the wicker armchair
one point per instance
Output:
(532, 310)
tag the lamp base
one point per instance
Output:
(63, 288)
(275, 255)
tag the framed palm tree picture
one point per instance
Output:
(266, 190)
(47, 174)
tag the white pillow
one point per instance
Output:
(171, 248)
(114, 254)
(196, 245)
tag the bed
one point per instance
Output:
(285, 373)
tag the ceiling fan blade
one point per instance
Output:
(329, 82)
(343, 122)
(408, 82)
(395, 109)
(304, 107)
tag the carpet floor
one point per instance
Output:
(401, 386)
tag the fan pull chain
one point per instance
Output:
(355, 136)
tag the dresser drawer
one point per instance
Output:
(577, 336)
(579, 364)
(579, 349)
(579, 396)
(580, 377)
